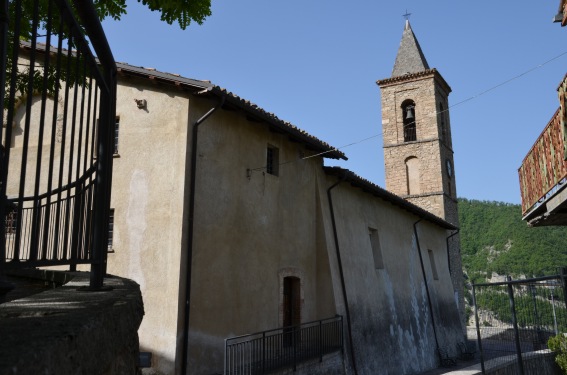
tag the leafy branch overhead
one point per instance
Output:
(180, 11)
(47, 23)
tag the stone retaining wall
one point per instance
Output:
(67, 331)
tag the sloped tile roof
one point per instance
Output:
(376, 190)
(206, 87)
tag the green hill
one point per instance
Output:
(495, 239)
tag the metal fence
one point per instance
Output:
(57, 135)
(281, 348)
(516, 317)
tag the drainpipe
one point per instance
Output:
(448, 254)
(336, 237)
(425, 281)
(190, 234)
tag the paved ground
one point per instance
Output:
(462, 368)
(24, 287)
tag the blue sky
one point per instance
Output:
(315, 63)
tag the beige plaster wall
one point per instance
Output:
(252, 230)
(392, 327)
(148, 199)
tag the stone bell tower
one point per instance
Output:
(418, 152)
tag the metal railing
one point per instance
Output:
(57, 135)
(544, 167)
(516, 317)
(281, 348)
(410, 133)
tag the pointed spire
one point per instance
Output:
(410, 58)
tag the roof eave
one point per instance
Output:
(376, 190)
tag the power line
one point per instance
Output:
(435, 113)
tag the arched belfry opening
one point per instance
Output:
(408, 113)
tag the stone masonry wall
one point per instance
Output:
(67, 331)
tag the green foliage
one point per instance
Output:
(182, 11)
(495, 239)
(44, 79)
(558, 344)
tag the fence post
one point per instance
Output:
(5, 286)
(320, 341)
(515, 324)
(564, 284)
(225, 355)
(264, 352)
(294, 343)
(478, 329)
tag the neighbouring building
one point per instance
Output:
(231, 223)
(561, 15)
(543, 173)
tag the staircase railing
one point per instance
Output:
(59, 97)
(281, 348)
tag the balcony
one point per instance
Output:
(543, 174)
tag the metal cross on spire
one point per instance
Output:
(407, 15)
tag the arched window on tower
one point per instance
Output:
(412, 175)
(408, 113)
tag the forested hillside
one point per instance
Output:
(495, 239)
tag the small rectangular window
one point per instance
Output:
(110, 230)
(272, 160)
(116, 133)
(376, 248)
(433, 266)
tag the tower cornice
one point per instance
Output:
(415, 77)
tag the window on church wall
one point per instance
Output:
(412, 175)
(408, 114)
(433, 265)
(376, 248)
(272, 160)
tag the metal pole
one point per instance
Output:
(515, 324)
(320, 341)
(264, 352)
(553, 308)
(478, 329)
(564, 284)
(5, 286)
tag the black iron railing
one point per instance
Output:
(58, 105)
(263, 352)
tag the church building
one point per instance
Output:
(232, 225)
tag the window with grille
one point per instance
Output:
(111, 230)
(116, 130)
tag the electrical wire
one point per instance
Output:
(435, 113)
